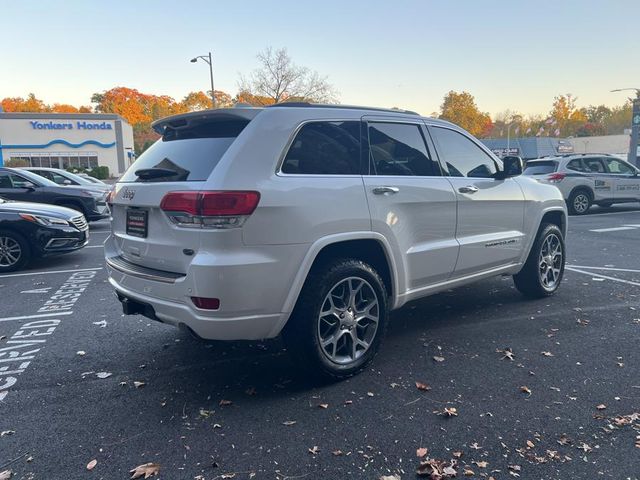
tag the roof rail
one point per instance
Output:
(349, 107)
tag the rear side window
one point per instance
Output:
(540, 168)
(325, 148)
(461, 155)
(399, 149)
(186, 154)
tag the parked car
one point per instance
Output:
(588, 179)
(315, 221)
(25, 186)
(93, 180)
(62, 177)
(29, 230)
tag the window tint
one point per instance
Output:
(191, 153)
(616, 166)
(399, 149)
(325, 148)
(540, 168)
(576, 165)
(462, 156)
(594, 165)
(9, 180)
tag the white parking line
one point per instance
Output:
(39, 315)
(26, 274)
(600, 214)
(613, 229)
(605, 268)
(597, 275)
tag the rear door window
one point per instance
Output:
(594, 165)
(325, 148)
(186, 154)
(576, 165)
(540, 168)
(399, 149)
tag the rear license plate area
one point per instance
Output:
(137, 222)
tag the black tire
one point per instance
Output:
(11, 242)
(303, 332)
(529, 281)
(580, 201)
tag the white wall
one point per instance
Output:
(614, 144)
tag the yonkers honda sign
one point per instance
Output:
(77, 125)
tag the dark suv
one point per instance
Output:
(25, 186)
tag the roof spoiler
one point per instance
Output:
(186, 120)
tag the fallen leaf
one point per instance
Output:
(225, 403)
(584, 447)
(7, 432)
(101, 323)
(337, 453)
(450, 471)
(92, 464)
(547, 354)
(82, 353)
(475, 446)
(421, 452)
(602, 406)
(450, 412)
(390, 477)
(370, 394)
(506, 353)
(314, 450)
(228, 475)
(289, 422)
(323, 405)
(145, 470)
(103, 374)
(468, 473)
(457, 454)
(525, 389)
(481, 464)
(5, 475)
(422, 386)
(438, 359)
(348, 402)
(530, 444)
(139, 384)
(564, 440)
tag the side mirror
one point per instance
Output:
(66, 182)
(512, 166)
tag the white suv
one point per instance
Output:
(314, 221)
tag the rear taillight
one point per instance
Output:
(109, 198)
(221, 209)
(556, 177)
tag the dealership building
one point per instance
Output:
(63, 140)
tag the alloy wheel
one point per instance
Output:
(348, 320)
(550, 262)
(10, 252)
(581, 203)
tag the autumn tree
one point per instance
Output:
(29, 104)
(461, 109)
(279, 79)
(195, 101)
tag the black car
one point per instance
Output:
(30, 230)
(22, 185)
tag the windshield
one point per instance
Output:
(186, 155)
(76, 178)
(540, 168)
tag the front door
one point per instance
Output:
(625, 179)
(14, 187)
(411, 203)
(490, 211)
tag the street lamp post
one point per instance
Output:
(207, 59)
(632, 157)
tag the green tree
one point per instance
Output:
(461, 109)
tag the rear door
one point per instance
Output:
(182, 160)
(490, 211)
(410, 202)
(625, 179)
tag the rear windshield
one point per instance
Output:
(540, 168)
(185, 155)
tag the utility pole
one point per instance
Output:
(208, 59)
(632, 157)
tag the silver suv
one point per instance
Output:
(588, 179)
(314, 221)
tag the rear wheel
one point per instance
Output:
(544, 268)
(339, 320)
(579, 202)
(14, 251)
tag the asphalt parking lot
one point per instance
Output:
(542, 389)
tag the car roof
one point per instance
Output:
(50, 169)
(248, 113)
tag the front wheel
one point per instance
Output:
(14, 251)
(542, 273)
(339, 320)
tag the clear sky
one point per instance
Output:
(512, 54)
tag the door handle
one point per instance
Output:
(385, 190)
(468, 189)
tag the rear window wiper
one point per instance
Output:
(150, 173)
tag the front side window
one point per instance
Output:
(618, 167)
(461, 155)
(325, 148)
(399, 149)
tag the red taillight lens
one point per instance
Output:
(109, 198)
(556, 177)
(206, 303)
(222, 209)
